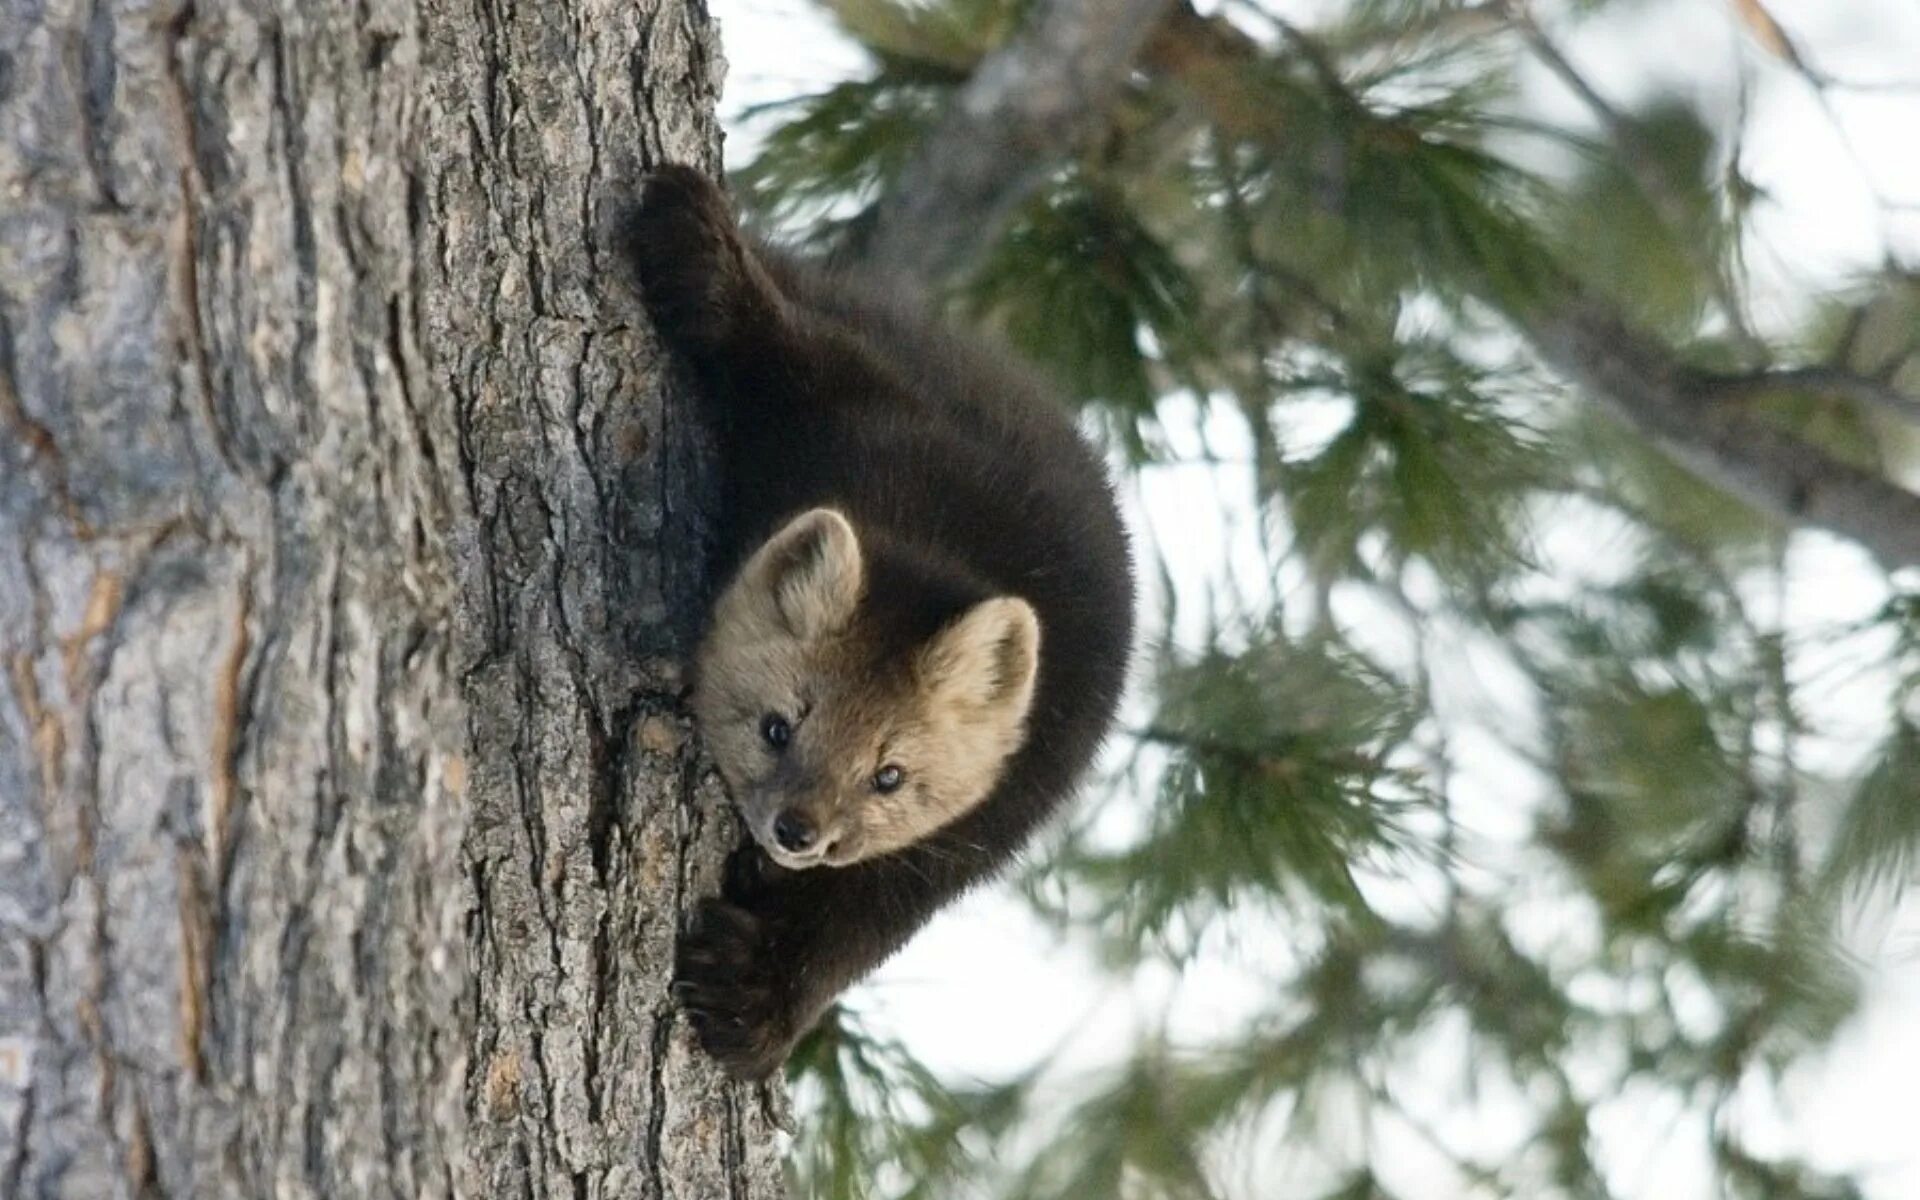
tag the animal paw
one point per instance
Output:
(752, 880)
(697, 278)
(723, 979)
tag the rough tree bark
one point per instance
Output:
(348, 539)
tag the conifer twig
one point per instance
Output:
(1034, 102)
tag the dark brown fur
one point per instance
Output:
(965, 481)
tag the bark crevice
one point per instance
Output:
(345, 546)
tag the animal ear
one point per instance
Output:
(812, 571)
(987, 660)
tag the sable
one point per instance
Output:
(926, 626)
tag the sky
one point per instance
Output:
(985, 992)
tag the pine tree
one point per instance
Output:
(1509, 411)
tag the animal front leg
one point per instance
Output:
(763, 960)
(751, 970)
(729, 978)
(707, 293)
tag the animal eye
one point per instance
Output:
(774, 728)
(888, 778)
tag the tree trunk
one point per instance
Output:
(348, 545)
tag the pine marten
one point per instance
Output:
(927, 624)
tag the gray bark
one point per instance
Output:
(347, 546)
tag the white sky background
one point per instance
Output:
(985, 992)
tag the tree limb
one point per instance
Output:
(1676, 408)
(1028, 106)
(1863, 390)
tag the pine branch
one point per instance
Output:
(1040, 98)
(1642, 164)
(1454, 22)
(1863, 390)
(1027, 107)
(1279, 758)
(1679, 410)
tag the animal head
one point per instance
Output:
(836, 744)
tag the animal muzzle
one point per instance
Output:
(797, 837)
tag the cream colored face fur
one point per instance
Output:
(785, 641)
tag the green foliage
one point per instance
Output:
(1647, 226)
(1083, 287)
(1877, 330)
(1427, 463)
(1879, 838)
(880, 1124)
(1663, 497)
(1404, 193)
(947, 37)
(1750, 1178)
(1332, 233)
(1134, 1137)
(1874, 331)
(843, 143)
(1308, 731)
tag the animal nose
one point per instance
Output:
(793, 831)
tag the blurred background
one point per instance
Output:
(1516, 409)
